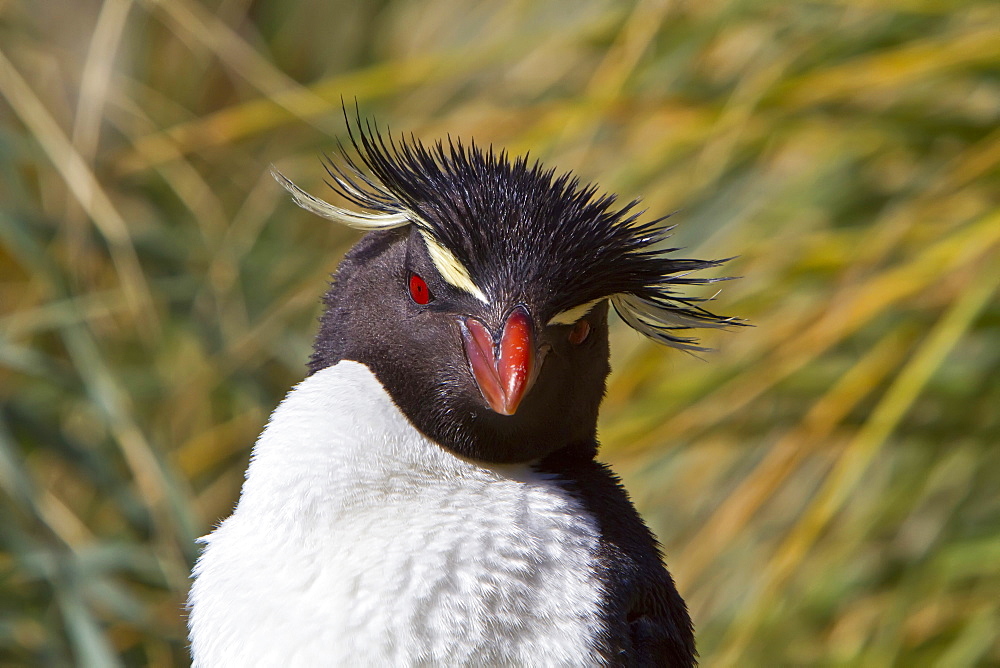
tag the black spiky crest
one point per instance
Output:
(521, 231)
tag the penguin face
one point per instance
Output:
(495, 382)
(480, 297)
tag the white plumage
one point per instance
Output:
(359, 542)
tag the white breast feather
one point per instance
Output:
(358, 542)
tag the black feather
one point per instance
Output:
(525, 233)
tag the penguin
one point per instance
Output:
(429, 495)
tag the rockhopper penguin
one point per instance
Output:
(428, 495)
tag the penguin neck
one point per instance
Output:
(338, 438)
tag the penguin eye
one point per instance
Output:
(580, 332)
(419, 292)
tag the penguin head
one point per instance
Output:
(480, 296)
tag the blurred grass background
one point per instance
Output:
(827, 485)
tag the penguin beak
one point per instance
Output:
(504, 365)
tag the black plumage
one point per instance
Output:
(520, 229)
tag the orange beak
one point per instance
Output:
(504, 370)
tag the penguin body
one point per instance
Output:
(418, 557)
(429, 495)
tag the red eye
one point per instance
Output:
(580, 332)
(419, 292)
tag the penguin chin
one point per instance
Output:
(556, 413)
